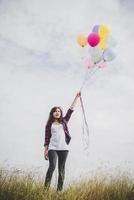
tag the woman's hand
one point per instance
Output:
(75, 100)
(78, 94)
(46, 154)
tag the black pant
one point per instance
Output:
(52, 155)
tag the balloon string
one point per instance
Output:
(87, 78)
(84, 115)
(84, 81)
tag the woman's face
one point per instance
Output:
(57, 113)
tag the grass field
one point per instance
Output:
(18, 185)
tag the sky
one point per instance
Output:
(41, 67)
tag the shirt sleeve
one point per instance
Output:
(47, 135)
(68, 114)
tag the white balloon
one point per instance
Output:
(110, 42)
(96, 54)
(108, 55)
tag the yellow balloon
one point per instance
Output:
(102, 44)
(104, 31)
(82, 40)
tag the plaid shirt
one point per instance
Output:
(65, 127)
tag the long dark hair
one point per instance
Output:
(51, 118)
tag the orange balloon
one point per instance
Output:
(82, 40)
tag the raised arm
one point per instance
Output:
(75, 100)
(71, 108)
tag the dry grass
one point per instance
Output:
(17, 185)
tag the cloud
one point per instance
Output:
(128, 5)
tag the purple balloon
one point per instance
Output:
(95, 29)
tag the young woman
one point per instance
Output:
(57, 138)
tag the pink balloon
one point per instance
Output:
(101, 64)
(88, 62)
(93, 39)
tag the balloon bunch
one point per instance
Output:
(100, 51)
(101, 45)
